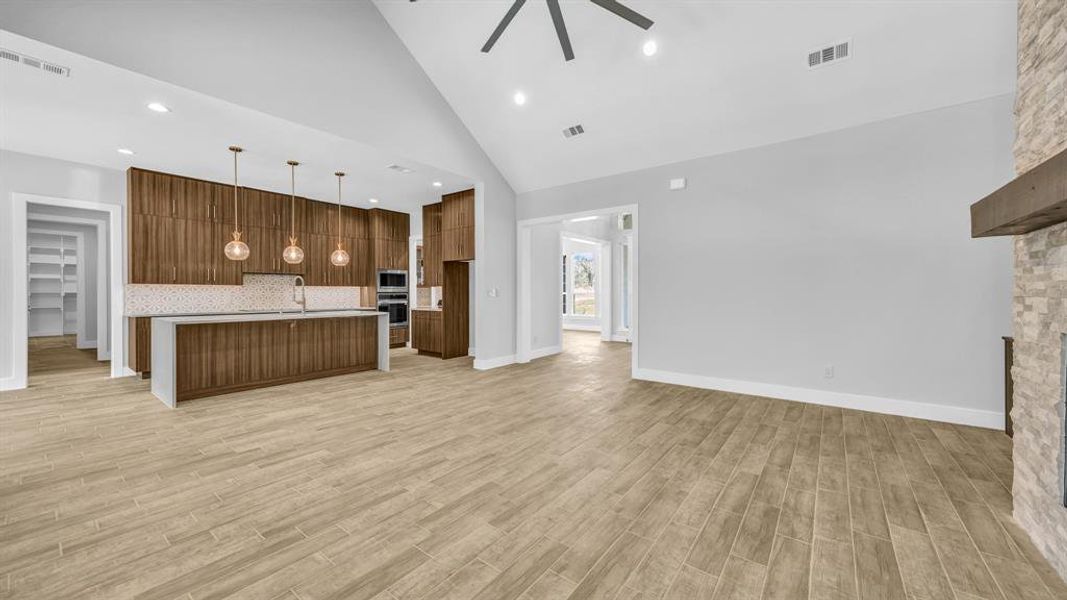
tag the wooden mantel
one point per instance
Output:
(1034, 200)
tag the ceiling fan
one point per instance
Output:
(561, 28)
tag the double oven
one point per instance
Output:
(393, 296)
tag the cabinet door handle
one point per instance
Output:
(174, 273)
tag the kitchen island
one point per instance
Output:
(208, 355)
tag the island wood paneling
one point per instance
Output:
(457, 226)
(456, 312)
(219, 358)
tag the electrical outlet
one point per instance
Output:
(828, 372)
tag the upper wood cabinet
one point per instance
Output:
(390, 231)
(178, 227)
(431, 245)
(457, 226)
(160, 194)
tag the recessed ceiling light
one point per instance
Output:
(437, 184)
(373, 201)
(589, 218)
(520, 98)
(158, 107)
(126, 151)
(650, 48)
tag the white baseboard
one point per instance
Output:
(577, 327)
(620, 337)
(542, 352)
(472, 352)
(12, 383)
(492, 363)
(904, 408)
(86, 344)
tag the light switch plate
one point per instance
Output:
(678, 183)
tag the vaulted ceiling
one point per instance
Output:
(728, 75)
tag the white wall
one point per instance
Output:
(46, 177)
(850, 248)
(335, 66)
(545, 302)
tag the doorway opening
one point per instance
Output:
(577, 282)
(67, 294)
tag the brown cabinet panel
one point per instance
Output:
(217, 358)
(269, 351)
(223, 270)
(363, 272)
(193, 258)
(456, 312)
(398, 336)
(149, 193)
(457, 226)
(140, 352)
(265, 247)
(321, 218)
(426, 331)
(151, 249)
(317, 248)
(355, 222)
(431, 245)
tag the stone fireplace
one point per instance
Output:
(1040, 303)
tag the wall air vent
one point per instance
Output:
(573, 131)
(400, 169)
(834, 53)
(34, 63)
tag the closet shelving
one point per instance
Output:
(52, 270)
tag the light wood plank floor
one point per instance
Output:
(557, 479)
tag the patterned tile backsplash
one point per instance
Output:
(267, 292)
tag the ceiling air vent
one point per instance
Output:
(830, 54)
(573, 131)
(400, 169)
(34, 63)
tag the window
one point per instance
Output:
(564, 288)
(579, 270)
(583, 265)
(626, 285)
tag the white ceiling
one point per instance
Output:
(86, 117)
(728, 75)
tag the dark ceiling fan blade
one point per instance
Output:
(630, 15)
(503, 25)
(561, 29)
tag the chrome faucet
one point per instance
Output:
(303, 300)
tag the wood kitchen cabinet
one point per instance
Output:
(431, 245)
(390, 231)
(426, 331)
(178, 227)
(457, 226)
(139, 355)
(218, 358)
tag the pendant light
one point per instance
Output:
(236, 249)
(339, 257)
(292, 254)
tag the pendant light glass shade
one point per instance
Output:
(292, 254)
(236, 249)
(339, 257)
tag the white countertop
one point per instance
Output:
(272, 316)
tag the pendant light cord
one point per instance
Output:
(236, 227)
(292, 200)
(339, 176)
